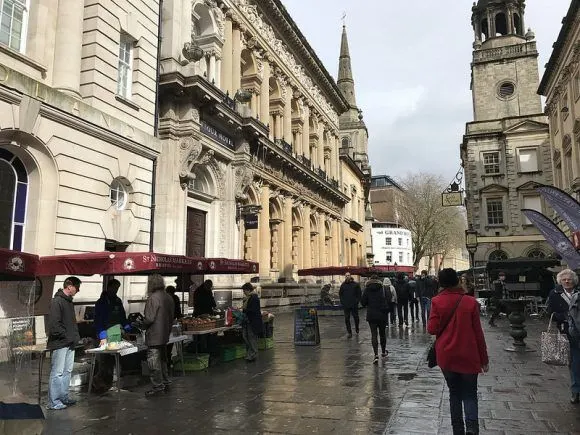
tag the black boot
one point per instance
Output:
(471, 427)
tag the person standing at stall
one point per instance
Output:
(177, 314)
(252, 326)
(63, 335)
(158, 321)
(203, 300)
(110, 319)
(350, 295)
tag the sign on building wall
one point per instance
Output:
(452, 199)
(217, 135)
(251, 221)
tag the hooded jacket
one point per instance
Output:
(350, 294)
(389, 286)
(62, 325)
(374, 299)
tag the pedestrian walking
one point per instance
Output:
(159, 313)
(350, 296)
(426, 289)
(252, 326)
(402, 299)
(376, 299)
(561, 300)
(467, 286)
(460, 348)
(63, 335)
(500, 292)
(413, 300)
(393, 304)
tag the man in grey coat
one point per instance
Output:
(159, 313)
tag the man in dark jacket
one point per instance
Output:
(376, 299)
(425, 291)
(159, 312)
(500, 292)
(203, 300)
(402, 288)
(252, 326)
(63, 335)
(350, 295)
(413, 300)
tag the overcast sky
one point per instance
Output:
(411, 68)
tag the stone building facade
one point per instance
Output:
(561, 86)
(252, 165)
(77, 127)
(506, 149)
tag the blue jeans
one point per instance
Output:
(62, 361)
(425, 309)
(574, 368)
(463, 397)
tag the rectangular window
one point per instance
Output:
(495, 211)
(125, 72)
(400, 257)
(400, 241)
(491, 163)
(532, 203)
(388, 241)
(14, 17)
(528, 159)
(389, 256)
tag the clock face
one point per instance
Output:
(450, 199)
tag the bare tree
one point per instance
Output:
(435, 229)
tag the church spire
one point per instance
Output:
(345, 79)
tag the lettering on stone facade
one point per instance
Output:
(217, 135)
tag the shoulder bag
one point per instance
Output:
(431, 354)
(555, 347)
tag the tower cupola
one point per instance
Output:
(497, 19)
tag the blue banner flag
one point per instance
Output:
(563, 204)
(555, 237)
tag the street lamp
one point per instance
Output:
(471, 245)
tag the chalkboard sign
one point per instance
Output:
(223, 299)
(306, 329)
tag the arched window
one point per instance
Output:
(345, 142)
(536, 253)
(13, 200)
(498, 255)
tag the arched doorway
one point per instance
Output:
(13, 200)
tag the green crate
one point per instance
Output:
(193, 363)
(265, 343)
(233, 352)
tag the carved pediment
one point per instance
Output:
(494, 188)
(527, 126)
(530, 185)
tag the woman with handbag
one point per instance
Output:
(460, 348)
(560, 302)
(376, 299)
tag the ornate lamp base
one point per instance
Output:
(518, 331)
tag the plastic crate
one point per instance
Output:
(193, 363)
(233, 352)
(265, 343)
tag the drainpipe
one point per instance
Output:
(155, 127)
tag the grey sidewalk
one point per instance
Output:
(335, 388)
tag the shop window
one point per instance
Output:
(491, 163)
(494, 211)
(125, 69)
(14, 24)
(13, 201)
(528, 159)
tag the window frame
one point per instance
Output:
(388, 241)
(125, 41)
(25, 4)
(21, 194)
(486, 165)
(518, 153)
(118, 206)
(401, 257)
(525, 220)
(389, 256)
(487, 211)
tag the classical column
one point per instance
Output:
(334, 258)
(306, 253)
(227, 50)
(321, 146)
(288, 114)
(336, 152)
(287, 265)
(322, 240)
(306, 132)
(218, 72)
(212, 68)
(265, 94)
(298, 141)
(68, 45)
(264, 227)
(236, 59)
(354, 253)
(575, 159)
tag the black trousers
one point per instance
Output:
(414, 306)
(378, 328)
(393, 313)
(497, 307)
(403, 311)
(347, 313)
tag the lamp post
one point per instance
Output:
(471, 243)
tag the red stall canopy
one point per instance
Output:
(332, 270)
(120, 263)
(217, 266)
(16, 265)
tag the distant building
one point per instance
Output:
(385, 196)
(392, 245)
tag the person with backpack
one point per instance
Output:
(564, 307)
(376, 299)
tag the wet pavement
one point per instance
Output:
(335, 388)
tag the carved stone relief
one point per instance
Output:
(243, 178)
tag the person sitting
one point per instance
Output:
(325, 298)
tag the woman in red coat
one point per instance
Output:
(460, 347)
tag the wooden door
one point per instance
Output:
(195, 240)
